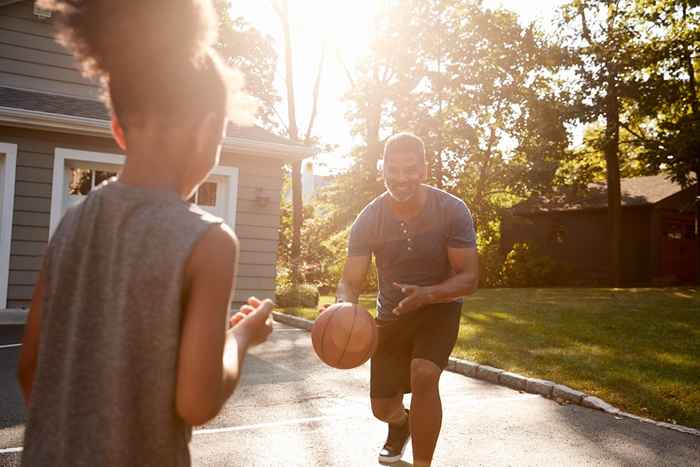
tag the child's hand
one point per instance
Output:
(253, 321)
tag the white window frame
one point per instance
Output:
(61, 155)
(7, 184)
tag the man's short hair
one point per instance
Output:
(405, 142)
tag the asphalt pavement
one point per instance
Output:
(291, 410)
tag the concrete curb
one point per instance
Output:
(292, 320)
(13, 317)
(542, 387)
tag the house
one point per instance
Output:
(55, 145)
(659, 234)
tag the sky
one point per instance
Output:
(345, 24)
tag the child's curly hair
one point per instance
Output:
(154, 58)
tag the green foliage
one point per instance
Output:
(586, 164)
(665, 125)
(490, 266)
(323, 250)
(252, 53)
(481, 90)
(495, 101)
(304, 295)
(526, 267)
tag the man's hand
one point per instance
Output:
(416, 297)
(322, 308)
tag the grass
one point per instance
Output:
(638, 349)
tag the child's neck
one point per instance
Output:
(155, 180)
(142, 169)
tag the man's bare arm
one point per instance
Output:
(354, 275)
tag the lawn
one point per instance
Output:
(638, 349)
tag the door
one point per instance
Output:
(8, 160)
(679, 248)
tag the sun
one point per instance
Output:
(345, 28)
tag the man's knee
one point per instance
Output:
(425, 376)
(387, 409)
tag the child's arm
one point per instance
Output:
(210, 358)
(30, 341)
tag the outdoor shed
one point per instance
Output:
(658, 229)
(55, 145)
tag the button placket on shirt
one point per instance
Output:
(409, 240)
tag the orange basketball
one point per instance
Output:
(344, 336)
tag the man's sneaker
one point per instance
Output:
(396, 443)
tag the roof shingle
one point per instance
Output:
(87, 108)
(636, 191)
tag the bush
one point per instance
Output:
(525, 267)
(490, 266)
(305, 295)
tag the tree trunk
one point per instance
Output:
(297, 220)
(695, 108)
(374, 116)
(697, 220)
(297, 206)
(612, 164)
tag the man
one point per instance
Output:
(424, 243)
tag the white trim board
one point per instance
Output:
(33, 119)
(61, 155)
(8, 166)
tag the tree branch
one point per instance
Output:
(584, 24)
(641, 137)
(317, 90)
(345, 68)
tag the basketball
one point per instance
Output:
(344, 336)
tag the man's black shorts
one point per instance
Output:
(429, 333)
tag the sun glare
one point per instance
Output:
(344, 26)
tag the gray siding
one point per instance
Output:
(256, 226)
(31, 59)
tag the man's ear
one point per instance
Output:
(426, 170)
(118, 133)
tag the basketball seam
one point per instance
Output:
(352, 327)
(323, 336)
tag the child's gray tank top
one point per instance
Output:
(104, 388)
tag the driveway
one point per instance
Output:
(291, 410)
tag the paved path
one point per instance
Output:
(291, 410)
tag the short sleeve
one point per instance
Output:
(359, 241)
(461, 227)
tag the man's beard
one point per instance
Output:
(402, 193)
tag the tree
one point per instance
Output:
(600, 34)
(666, 124)
(253, 53)
(477, 87)
(282, 9)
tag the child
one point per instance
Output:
(126, 344)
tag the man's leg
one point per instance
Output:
(426, 410)
(389, 410)
(389, 380)
(433, 344)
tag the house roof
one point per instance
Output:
(636, 191)
(93, 109)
